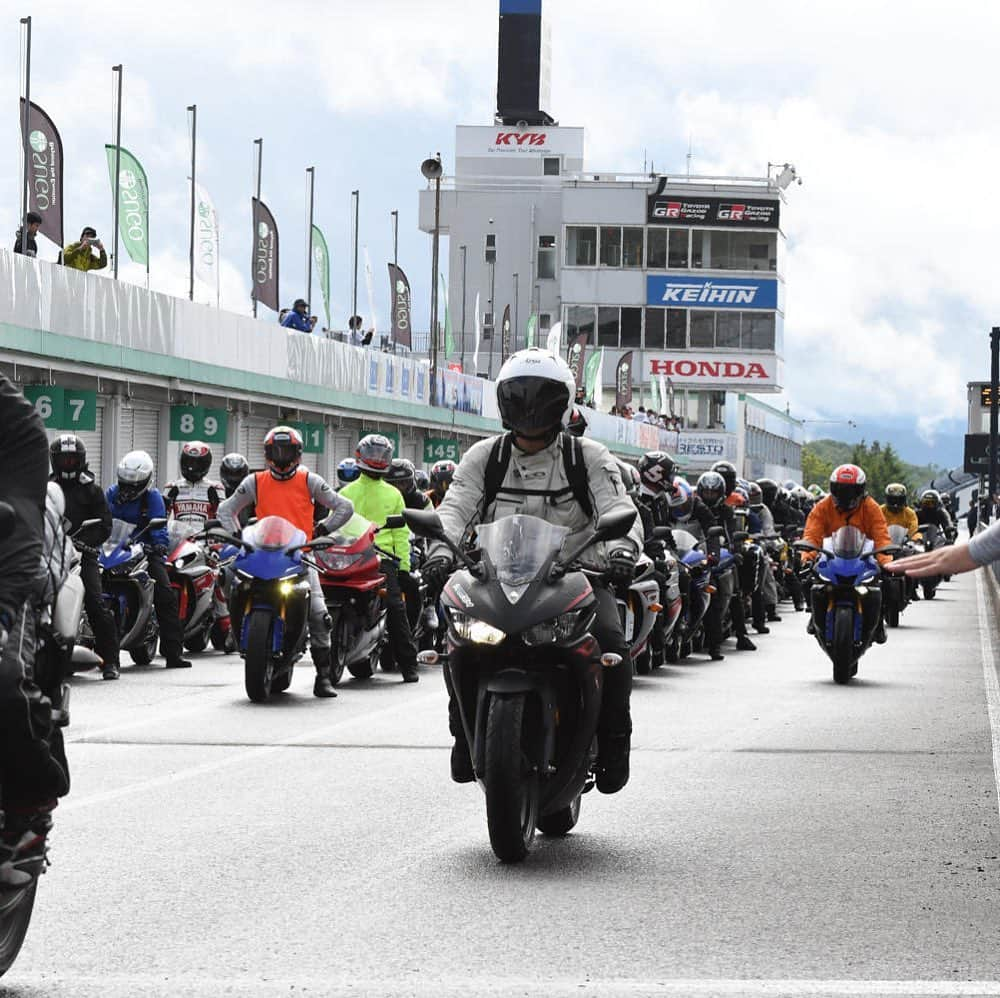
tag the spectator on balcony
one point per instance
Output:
(24, 240)
(80, 255)
(640, 416)
(299, 317)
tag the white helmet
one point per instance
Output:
(135, 475)
(535, 394)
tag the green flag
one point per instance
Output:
(590, 374)
(529, 336)
(133, 203)
(321, 257)
(449, 339)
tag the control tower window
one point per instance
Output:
(581, 246)
(656, 249)
(611, 246)
(546, 257)
(550, 166)
(632, 247)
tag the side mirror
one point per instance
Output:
(395, 522)
(662, 533)
(424, 523)
(716, 532)
(806, 546)
(157, 522)
(615, 525)
(892, 549)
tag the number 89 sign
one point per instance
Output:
(193, 422)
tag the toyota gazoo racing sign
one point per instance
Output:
(754, 371)
(711, 292)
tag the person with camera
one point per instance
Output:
(80, 255)
(85, 500)
(299, 318)
(134, 500)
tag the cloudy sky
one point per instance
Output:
(887, 109)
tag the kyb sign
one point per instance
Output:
(755, 371)
(711, 292)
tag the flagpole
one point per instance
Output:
(118, 164)
(395, 237)
(259, 143)
(25, 146)
(464, 251)
(354, 297)
(194, 145)
(311, 170)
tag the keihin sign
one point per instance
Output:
(711, 292)
(757, 372)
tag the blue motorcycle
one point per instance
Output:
(687, 636)
(848, 574)
(269, 601)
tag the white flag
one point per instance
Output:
(369, 281)
(598, 398)
(663, 394)
(552, 342)
(206, 240)
(475, 353)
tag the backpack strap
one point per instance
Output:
(496, 470)
(576, 472)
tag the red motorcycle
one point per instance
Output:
(193, 572)
(354, 588)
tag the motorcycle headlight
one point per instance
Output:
(562, 628)
(477, 631)
(338, 562)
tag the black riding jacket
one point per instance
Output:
(85, 500)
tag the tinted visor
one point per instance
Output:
(283, 453)
(846, 495)
(532, 407)
(67, 463)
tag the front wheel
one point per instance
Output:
(15, 916)
(142, 654)
(930, 588)
(560, 822)
(842, 650)
(258, 666)
(510, 781)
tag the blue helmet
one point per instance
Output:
(348, 471)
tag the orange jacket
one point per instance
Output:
(825, 519)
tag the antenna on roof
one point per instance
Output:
(690, 142)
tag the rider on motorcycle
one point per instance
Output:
(376, 500)
(932, 510)
(755, 500)
(134, 500)
(847, 505)
(402, 476)
(292, 492)
(85, 500)
(536, 469)
(786, 518)
(194, 498)
(232, 471)
(897, 513)
(32, 759)
(442, 473)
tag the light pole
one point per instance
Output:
(491, 259)
(395, 237)
(354, 296)
(432, 170)
(517, 298)
(311, 170)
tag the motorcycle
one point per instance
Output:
(269, 602)
(193, 576)
(723, 573)
(688, 634)
(353, 586)
(638, 607)
(848, 574)
(525, 671)
(128, 589)
(933, 538)
(896, 588)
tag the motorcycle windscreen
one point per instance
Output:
(849, 542)
(273, 533)
(121, 532)
(518, 546)
(686, 541)
(898, 534)
(178, 531)
(356, 528)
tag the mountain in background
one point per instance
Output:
(944, 448)
(820, 457)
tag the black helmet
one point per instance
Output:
(711, 489)
(68, 457)
(535, 394)
(577, 424)
(930, 499)
(374, 454)
(895, 495)
(656, 470)
(232, 471)
(421, 479)
(401, 474)
(442, 473)
(196, 459)
(755, 495)
(728, 471)
(769, 490)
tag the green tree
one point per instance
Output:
(815, 468)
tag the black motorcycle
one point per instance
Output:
(524, 669)
(934, 538)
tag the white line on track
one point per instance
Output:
(986, 629)
(183, 985)
(238, 758)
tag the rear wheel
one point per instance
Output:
(930, 588)
(643, 663)
(142, 654)
(509, 780)
(842, 651)
(258, 667)
(560, 822)
(14, 920)
(197, 642)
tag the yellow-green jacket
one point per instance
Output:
(377, 500)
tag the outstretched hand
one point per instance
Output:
(951, 560)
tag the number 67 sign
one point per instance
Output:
(64, 408)
(193, 422)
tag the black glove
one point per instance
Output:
(321, 529)
(160, 550)
(436, 572)
(655, 549)
(621, 567)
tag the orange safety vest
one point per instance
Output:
(289, 499)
